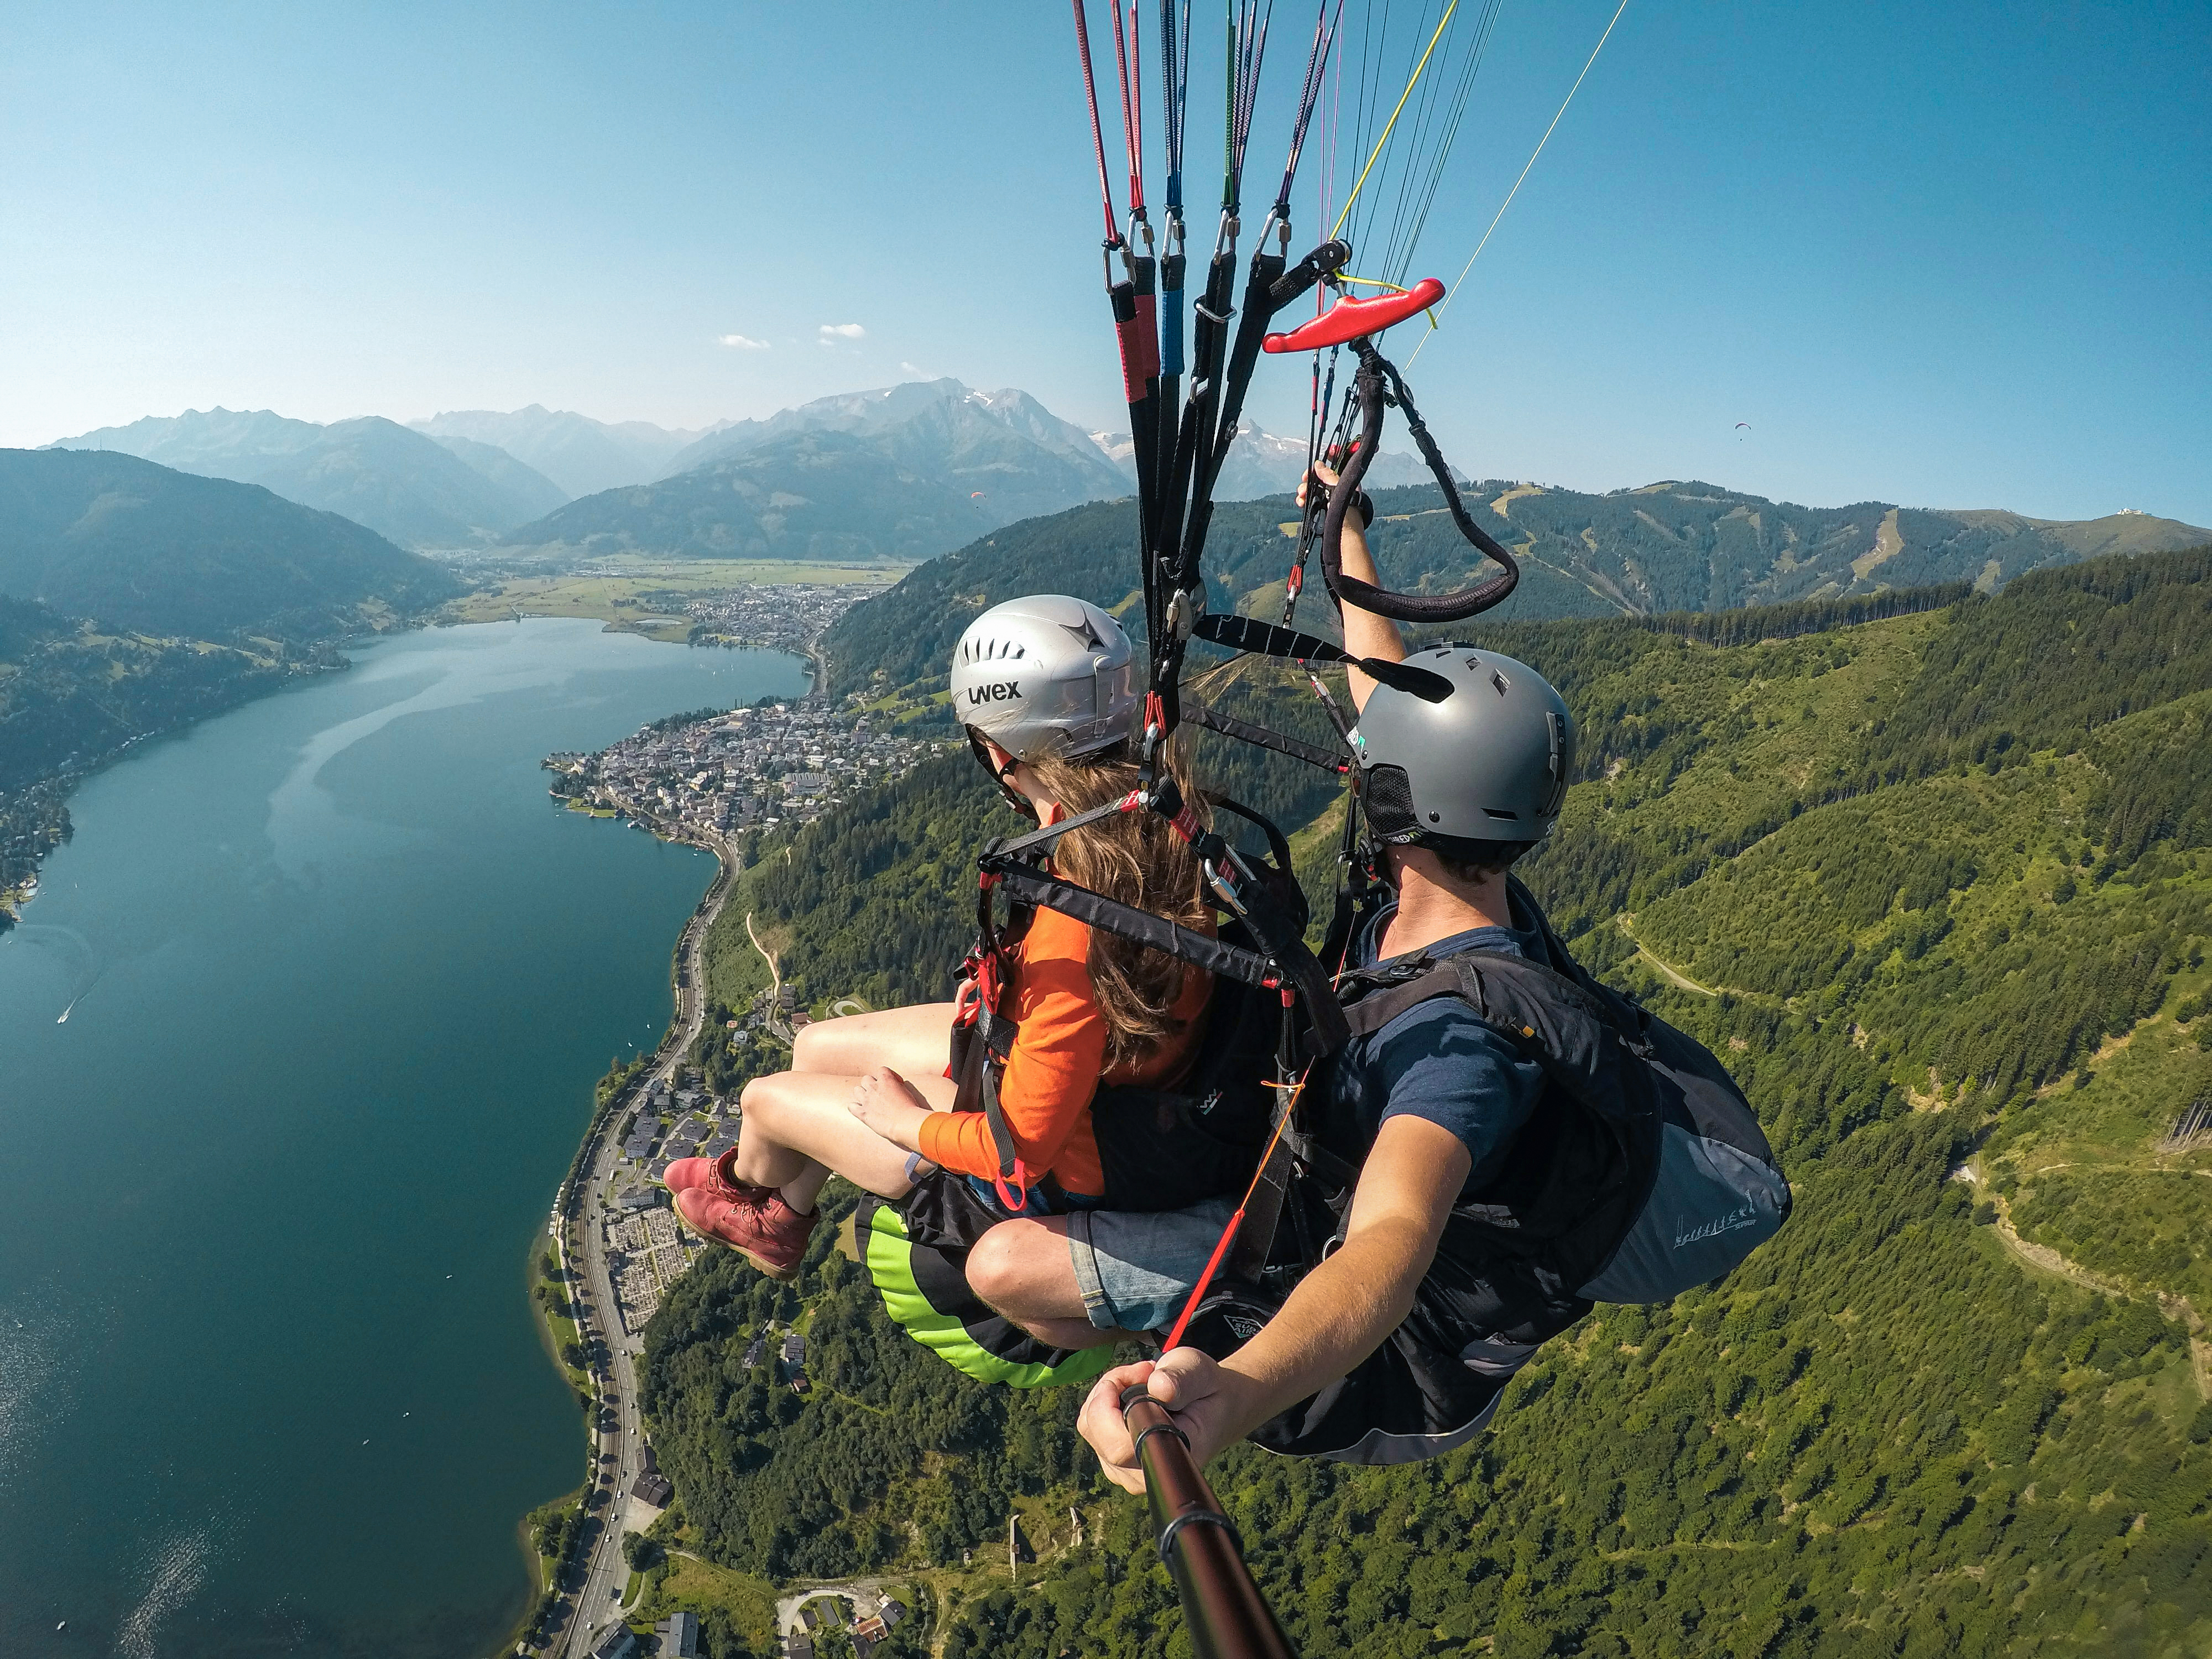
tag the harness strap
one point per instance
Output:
(1228, 726)
(1033, 886)
(1265, 640)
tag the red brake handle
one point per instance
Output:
(1349, 319)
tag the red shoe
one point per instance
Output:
(770, 1234)
(716, 1175)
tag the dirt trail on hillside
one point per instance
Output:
(2049, 1261)
(1627, 925)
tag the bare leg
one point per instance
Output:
(915, 1043)
(797, 1132)
(1022, 1269)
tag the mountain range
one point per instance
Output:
(581, 455)
(417, 490)
(1261, 464)
(900, 473)
(905, 473)
(1661, 548)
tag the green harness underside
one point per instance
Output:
(890, 1256)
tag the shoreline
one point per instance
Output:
(611, 1457)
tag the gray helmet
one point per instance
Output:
(1046, 673)
(1489, 763)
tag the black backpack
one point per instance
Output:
(1643, 1173)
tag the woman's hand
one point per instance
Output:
(1207, 1402)
(892, 1106)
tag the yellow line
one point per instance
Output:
(1394, 114)
(1434, 317)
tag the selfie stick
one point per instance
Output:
(1227, 1617)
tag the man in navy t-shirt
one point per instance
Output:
(1436, 1062)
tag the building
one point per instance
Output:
(654, 1489)
(640, 1198)
(892, 1612)
(679, 1636)
(618, 1643)
(797, 1645)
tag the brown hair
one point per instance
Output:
(1138, 860)
(1474, 861)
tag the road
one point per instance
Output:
(617, 1448)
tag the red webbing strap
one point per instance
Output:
(1147, 342)
(1131, 328)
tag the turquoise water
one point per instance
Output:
(338, 979)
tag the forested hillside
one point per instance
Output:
(1665, 548)
(96, 533)
(1939, 886)
(72, 694)
(135, 599)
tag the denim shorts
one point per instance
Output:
(1136, 1271)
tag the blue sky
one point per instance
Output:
(1950, 255)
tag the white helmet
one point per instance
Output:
(1046, 673)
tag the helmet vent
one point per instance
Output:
(1388, 795)
(1499, 681)
(1495, 812)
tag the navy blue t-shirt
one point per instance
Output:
(1437, 1061)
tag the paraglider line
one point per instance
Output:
(1523, 179)
(1396, 112)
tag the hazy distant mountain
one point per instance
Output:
(102, 534)
(904, 473)
(222, 443)
(525, 485)
(931, 423)
(1260, 463)
(400, 483)
(581, 455)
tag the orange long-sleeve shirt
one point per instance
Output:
(1054, 1068)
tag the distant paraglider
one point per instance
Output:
(1743, 426)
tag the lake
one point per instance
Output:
(338, 980)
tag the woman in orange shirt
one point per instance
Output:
(1046, 688)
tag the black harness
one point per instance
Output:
(1160, 1149)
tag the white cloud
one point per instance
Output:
(830, 332)
(743, 344)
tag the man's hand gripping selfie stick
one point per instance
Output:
(1222, 1607)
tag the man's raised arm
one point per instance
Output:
(1365, 634)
